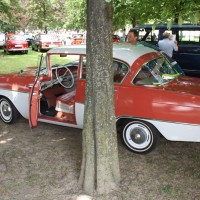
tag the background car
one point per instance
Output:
(188, 38)
(15, 43)
(41, 42)
(78, 39)
(2, 39)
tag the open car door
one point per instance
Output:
(43, 74)
(33, 103)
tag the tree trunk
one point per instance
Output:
(100, 165)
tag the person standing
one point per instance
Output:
(168, 45)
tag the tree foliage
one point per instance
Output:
(71, 14)
(76, 14)
(5, 13)
(33, 14)
(48, 14)
(144, 11)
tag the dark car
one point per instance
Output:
(29, 39)
(188, 38)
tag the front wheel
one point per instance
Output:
(140, 137)
(8, 113)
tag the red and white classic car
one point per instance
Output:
(15, 43)
(151, 98)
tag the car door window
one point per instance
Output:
(120, 70)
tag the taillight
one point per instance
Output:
(10, 46)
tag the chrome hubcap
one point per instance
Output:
(138, 136)
(6, 110)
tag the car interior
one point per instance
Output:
(58, 95)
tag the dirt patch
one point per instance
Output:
(44, 164)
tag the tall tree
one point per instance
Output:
(76, 14)
(100, 165)
(48, 14)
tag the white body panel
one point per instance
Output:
(19, 99)
(178, 131)
(79, 113)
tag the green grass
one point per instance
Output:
(16, 62)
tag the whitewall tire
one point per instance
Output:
(140, 137)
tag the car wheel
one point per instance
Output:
(26, 51)
(8, 113)
(140, 137)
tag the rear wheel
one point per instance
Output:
(8, 113)
(140, 137)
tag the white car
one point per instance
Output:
(2, 39)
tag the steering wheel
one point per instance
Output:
(65, 76)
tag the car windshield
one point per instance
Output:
(157, 71)
(17, 37)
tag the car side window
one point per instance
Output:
(189, 36)
(120, 71)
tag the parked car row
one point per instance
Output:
(40, 42)
(151, 98)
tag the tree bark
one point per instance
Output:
(100, 165)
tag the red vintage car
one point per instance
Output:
(15, 43)
(78, 39)
(151, 98)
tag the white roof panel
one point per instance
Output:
(122, 51)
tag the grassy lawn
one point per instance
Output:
(16, 62)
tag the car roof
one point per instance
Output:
(174, 27)
(122, 51)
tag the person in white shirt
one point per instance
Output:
(168, 45)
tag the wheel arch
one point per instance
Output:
(19, 99)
